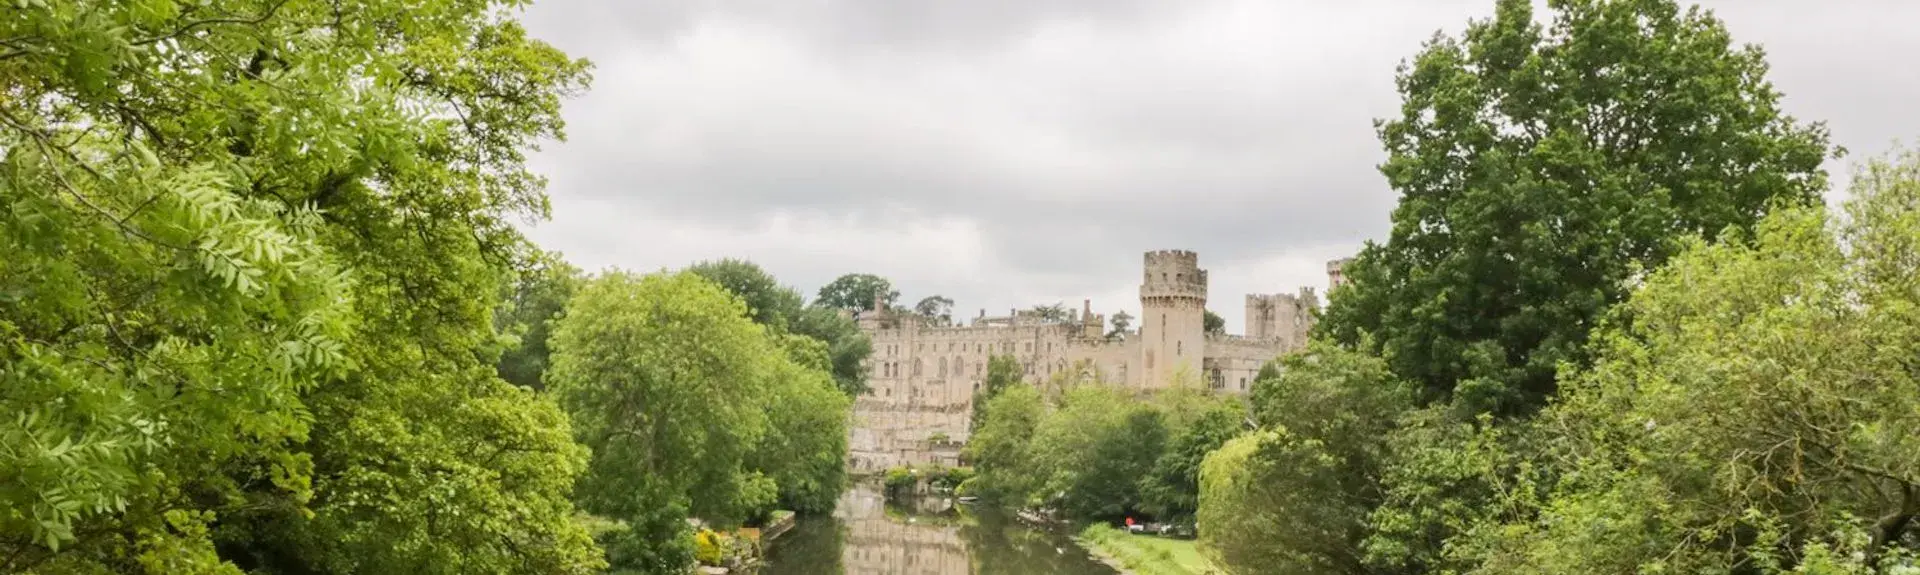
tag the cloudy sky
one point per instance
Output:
(1016, 152)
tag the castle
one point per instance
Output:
(922, 375)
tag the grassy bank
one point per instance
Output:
(1145, 554)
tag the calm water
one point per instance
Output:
(868, 536)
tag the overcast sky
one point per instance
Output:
(1016, 152)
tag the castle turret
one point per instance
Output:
(1173, 302)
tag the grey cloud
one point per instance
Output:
(1070, 135)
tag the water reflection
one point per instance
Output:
(933, 537)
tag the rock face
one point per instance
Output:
(922, 376)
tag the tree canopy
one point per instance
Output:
(238, 319)
(1541, 167)
(857, 292)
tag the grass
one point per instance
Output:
(1146, 554)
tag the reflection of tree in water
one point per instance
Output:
(812, 547)
(1000, 545)
(868, 535)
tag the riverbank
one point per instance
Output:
(1144, 554)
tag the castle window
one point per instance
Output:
(1180, 277)
(1179, 348)
(943, 367)
(1243, 384)
(1029, 347)
(916, 366)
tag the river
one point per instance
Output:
(866, 535)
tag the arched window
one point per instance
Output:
(943, 367)
(916, 366)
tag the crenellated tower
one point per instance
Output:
(1173, 303)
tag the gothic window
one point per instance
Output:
(943, 367)
(916, 366)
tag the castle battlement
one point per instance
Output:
(922, 377)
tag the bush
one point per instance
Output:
(900, 481)
(709, 548)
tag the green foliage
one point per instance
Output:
(1295, 497)
(847, 347)
(805, 455)
(768, 303)
(779, 308)
(1756, 399)
(1213, 324)
(1003, 372)
(857, 292)
(935, 307)
(535, 298)
(1001, 447)
(1090, 454)
(900, 482)
(1540, 168)
(1171, 491)
(690, 407)
(238, 323)
(1122, 321)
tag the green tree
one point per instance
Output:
(536, 297)
(806, 451)
(238, 307)
(1171, 491)
(780, 308)
(1540, 167)
(1056, 312)
(1003, 372)
(1213, 324)
(669, 383)
(935, 307)
(1756, 405)
(847, 347)
(1122, 321)
(768, 302)
(1093, 450)
(1295, 497)
(1001, 447)
(857, 292)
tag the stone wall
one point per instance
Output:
(922, 377)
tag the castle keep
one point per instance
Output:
(922, 376)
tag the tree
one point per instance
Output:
(1213, 323)
(1786, 362)
(1539, 168)
(1122, 321)
(670, 384)
(537, 295)
(1172, 490)
(847, 347)
(1057, 312)
(780, 308)
(935, 307)
(857, 292)
(1091, 452)
(1003, 372)
(245, 308)
(1295, 496)
(1001, 448)
(768, 303)
(805, 452)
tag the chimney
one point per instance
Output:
(1086, 309)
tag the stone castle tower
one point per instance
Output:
(1173, 303)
